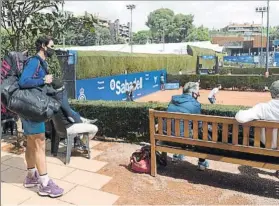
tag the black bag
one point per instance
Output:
(12, 66)
(33, 104)
(9, 85)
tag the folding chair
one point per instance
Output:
(59, 132)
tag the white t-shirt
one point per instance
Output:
(264, 111)
(213, 92)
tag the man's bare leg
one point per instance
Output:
(40, 152)
(46, 186)
(30, 153)
(35, 156)
(32, 175)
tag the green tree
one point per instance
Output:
(142, 37)
(80, 30)
(165, 25)
(159, 22)
(183, 25)
(102, 36)
(274, 33)
(198, 34)
(15, 15)
(54, 24)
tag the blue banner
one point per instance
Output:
(240, 59)
(72, 59)
(207, 57)
(170, 86)
(115, 87)
(276, 58)
(276, 42)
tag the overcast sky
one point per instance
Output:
(212, 14)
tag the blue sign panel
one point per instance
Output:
(115, 87)
(240, 59)
(276, 58)
(72, 59)
(208, 57)
(276, 42)
(170, 86)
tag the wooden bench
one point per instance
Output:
(228, 146)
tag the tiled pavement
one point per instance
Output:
(79, 179)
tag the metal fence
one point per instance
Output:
(67, 63)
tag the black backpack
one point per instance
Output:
(34, 103)
(12, 65)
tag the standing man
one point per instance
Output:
(130, 92)
(35, 74)
(213, 92)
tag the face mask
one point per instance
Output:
(195, 95)
(49, 52)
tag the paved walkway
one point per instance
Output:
(79, 179)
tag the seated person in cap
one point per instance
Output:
(72, 120)
(186, 103)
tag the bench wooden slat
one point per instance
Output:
(215, 119)
(169, 127)
(219, 145)
(160, 125)
(235, 134)
(278, 140)
(214, 132)
(177, 128)
(268, 138)
(246, 132)
(195, 129)
(225, 133)
(219, 158)
(205, 131)
(186, 128)
(257, 137)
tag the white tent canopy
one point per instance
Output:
(170, 48)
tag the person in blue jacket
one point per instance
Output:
(187, 103)
(35, 74)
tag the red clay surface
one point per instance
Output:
(223, 97)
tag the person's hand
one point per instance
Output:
(48, 79)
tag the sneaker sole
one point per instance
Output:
(202, 168)
(30, 185)
(44, 194)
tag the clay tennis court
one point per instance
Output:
(223, 97)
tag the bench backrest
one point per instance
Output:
(227, 133)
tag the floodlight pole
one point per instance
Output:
(63, 37)
(261, 10)
(131, 7)
(267, 33)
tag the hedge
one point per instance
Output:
(256, 83)
(256, 71)
(99, 64)
(129, 120)
(105, 63)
